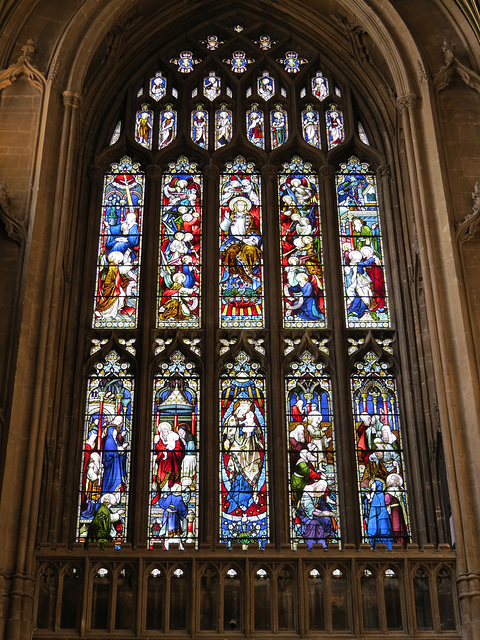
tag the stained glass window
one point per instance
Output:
(380, 467)
(278, 126)
(301, 247)
(223, 126)
(116, 133)
(266, 86)
(256, 126)
(292, 62)
(311, 126)
(180, 246)
(243, 446)
(199, 130)
(247, 309)
(107, 437)
(173, 505)
(118, 268)
(366, 300)
(361, 134)
(211, 86)
(144, 127)
(168, 126)
(239, 62)
(158, 86)
(185, 62)
(241, 248)
(312, 457)
(320, 86)
(335, 127)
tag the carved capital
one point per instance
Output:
(71, 99)
(408, 101)
(15, 228)
(211, 171)
(326, 172)
(384, 172)
(95, 174)
(23, 67)
(153, 172)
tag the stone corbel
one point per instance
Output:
(452, 65)
(356, 35)
(23, 67)
(465, 230)
(15, 229)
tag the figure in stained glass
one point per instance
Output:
(211, 86)
(292, 62)
(185, 62)
(144, 127)
(119, 247)
(168, 126)
(301, 249)
(278, 126)
(179, 253)
(223, 127)
(239, 61)
(379, 454)
(312, 468)
(311, 126)
(173, 509)
(320, 86)
(256, 127)
(241, 252)
(200, 127)
(361, 244)
(335, 128)
(158, 86)
(265, 86)
(242, 455)
(104, 484)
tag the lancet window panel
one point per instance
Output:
(244, 499)
(314, 509)
(301, 247)
(379, 453)
(180, 247)
(119, 248)
(107, 438)
(174, 491)
(241, 247)
(362, 253)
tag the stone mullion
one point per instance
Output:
(140, 461)
(276, 451)
(344, 442)
(209, 434)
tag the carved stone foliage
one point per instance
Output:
(408, 101)
(15, 228)
(23, 67)
(454, 66)
(465, 230)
